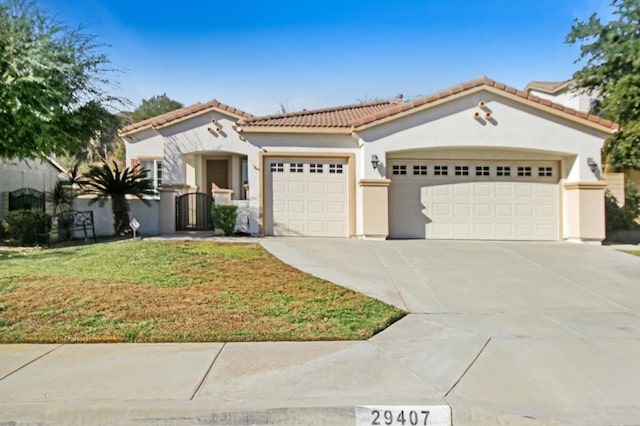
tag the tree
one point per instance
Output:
(611, 69)
(111, 183)
(156, 105)
(53, 83)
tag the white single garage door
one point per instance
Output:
(306, 196)
(477, 200)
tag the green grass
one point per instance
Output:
(634, 252)
(174, 291)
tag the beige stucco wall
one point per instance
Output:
(375, 207)
(584, 204)
(615, 186)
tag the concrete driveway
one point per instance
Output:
(506, 333)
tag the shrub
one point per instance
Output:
(22, 225)
(623, 218)
(224, 217)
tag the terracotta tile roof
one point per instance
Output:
(336, 117)
(547, 86)
(482, 81)
(360, 116)
(172, 117)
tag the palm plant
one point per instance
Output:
(108, 182)
(61, 197)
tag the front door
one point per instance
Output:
(218, 173)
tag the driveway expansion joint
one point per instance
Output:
(206, 374)
(31, 362)
(468, 368)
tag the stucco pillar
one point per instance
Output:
(168, 196)
(585, 211)
(375, 208)
(222, 197)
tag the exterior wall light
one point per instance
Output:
(593, 166)
(375, 161)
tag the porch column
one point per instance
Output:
(585, 211)
(375, 208)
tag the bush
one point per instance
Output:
(224, 217)
(623, 218)
(21, 225)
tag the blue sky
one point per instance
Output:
(256, 55)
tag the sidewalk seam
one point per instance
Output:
(31, 362)
(409, 370)
(468, 368)
(207, 372)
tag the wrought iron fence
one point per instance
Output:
(193, 212)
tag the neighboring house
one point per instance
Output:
(38, 174)
(563, 93)
(477, 161)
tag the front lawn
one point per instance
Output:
(634, 252)
(174, 291)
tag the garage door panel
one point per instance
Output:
(316, 188)
(306, 197)
(518, 204)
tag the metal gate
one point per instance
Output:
(193, 212)
(26, 199)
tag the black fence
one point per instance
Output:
(26, 199)
(193, 212)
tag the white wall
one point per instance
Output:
(513, 127)
(148, 216)
(191, 136)
(148, 143)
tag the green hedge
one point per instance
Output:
(224, 217)
(21, 225)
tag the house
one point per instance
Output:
(37, 176)
(480, 160)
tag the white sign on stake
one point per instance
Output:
(134, 225)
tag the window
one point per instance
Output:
(154, 171)
(399, 169)
(277, 167)
(335, 168)
(524, 171)
(462, 170)
(503, 171)
(482, 171)
(420, 170)
(545, 171)
(316, 168)
(296, 168)
(441, 170)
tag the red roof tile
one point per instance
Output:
(172, 117)
(338, 117)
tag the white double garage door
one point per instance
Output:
(477, 200)
(487, 200)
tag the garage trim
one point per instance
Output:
(350, 157)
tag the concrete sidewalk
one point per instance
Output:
(234, 383)
(500, 333)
